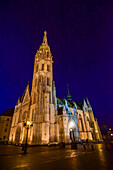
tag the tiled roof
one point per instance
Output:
(80, 105)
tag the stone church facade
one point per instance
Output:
(52, 119)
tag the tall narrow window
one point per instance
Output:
(48, 81)
(49, 97)
(37, 68)
(35, 82)
(32, 118)
(42, 66)
(82, 124)
(34, 101)
(48, 67)
(47, 54)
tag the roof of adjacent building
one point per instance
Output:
(8, 112)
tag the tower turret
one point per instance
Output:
(43, 94)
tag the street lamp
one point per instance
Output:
(27, 125)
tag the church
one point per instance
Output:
(51, 119)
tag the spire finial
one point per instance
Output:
(45, 38)
(68, 93)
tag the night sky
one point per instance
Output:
(80, 35)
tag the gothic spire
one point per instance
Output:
(45, 39)
(68, 94)
(87, 101)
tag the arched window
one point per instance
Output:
(48, 67)
(47, 54)
(37, 68)
(81, 122)
(48, 81)
(42, 66)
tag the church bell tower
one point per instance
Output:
(43, 96)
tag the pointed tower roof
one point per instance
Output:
(18, 101)
(84, 102)
(87, 101)
(27, 87)
(45, 39)
(68, 94)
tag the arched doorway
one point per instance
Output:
(72, 130)
(17, 136)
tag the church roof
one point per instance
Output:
(70, 103)
(59, 101)
(27, 87)
(80, 105)
(20, 99)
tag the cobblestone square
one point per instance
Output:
(54, 158)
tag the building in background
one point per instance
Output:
(107, 133)
(53, 119)
(5, 124)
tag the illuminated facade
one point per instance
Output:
(52, 119)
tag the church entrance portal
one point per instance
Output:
(72, 130)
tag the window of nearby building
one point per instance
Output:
(37, 68)
(6, 124)
(4, 137)
(5, 130)
(48, 67)
(48, 81)
(7, 119)
(42, 66)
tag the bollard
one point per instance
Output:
(74, 145)
(92, 147)
(84, 147)
(24, 148)
(62, 145)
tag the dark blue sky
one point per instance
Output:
(80, 34)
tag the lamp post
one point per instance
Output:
(27, 125)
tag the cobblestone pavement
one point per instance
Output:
(54, 158)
